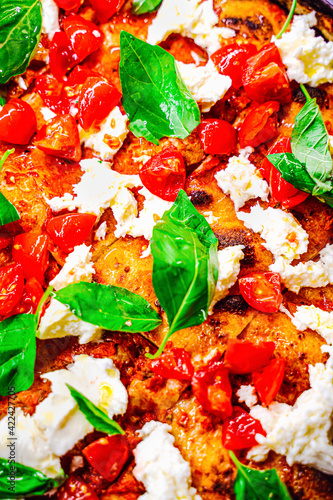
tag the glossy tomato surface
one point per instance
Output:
(17, 122)
(230, 60)
(175, 363)
(106, 8)
(11, 287)
(62, 56)
(262, 291)
(32, 294)
(217, 137)
(84, 36)
(239, 431)
(108, 455)
(260, 125)
(76, 489)
(70, 230)
(31, 251)
(268, 381)
(242, 356)
(60, 137)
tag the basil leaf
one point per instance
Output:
(144, 6)
(21, 24)
(2, 101)
(17, 352)
(155, 97)
(109, 307)
(185, 267)
(292, 171)
(28, 481)
(252, 484)
(8, 212)
(94, 415)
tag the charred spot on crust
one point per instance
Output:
(233, 237)
(252, 25)
(232, 303)
(257, 27)
(201, 198)
(315, 93)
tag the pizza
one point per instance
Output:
(166, 249)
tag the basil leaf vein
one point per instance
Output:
(143, 6)
(8, 212)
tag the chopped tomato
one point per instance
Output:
(175, 363)
(17, 122)
(97, 99)
(60, 137)
(72, 5)
(32, 293)
(260, 125)
(239, 431)
(50, 91)
(262, 291)
(211, 387)
(31, 251)
(84, 36)
(76, 489)
(245, 357)
(108, 455)
(106, 8)
(164, 174)
(268, 381)
(230, 60)
(70, 230)
(5, 240)
(62, 56)
(11, 287)
(217, 137)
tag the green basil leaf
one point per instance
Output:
(109, 307)
(143, 6)
(2, 101)
(27, 482)
(292, 171)
(94, 415)
(21, 24)
(252, 484)
(185, 267)
(155, 97)
(17, 352)
(8, 212)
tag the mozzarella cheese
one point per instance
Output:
(160, 466)
(47, 113)
(312, 274)
(78, 267)
(101, 231)
(315, 318)
(326, 258)
(50, 17)
(247, 394)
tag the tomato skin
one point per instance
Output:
(211, 387)
(230, 59)
(5, 240)
(50, 91)
(262, 291)
(76, 489)
(259, 125)
(11, 287)
(245, 357)
(32, 294)
(84, 36)
(239, 431)
(17, 122)
(108, 455)
(60, 137)
(70, 230)
(106, 8)
(268, 381)
(175, 363)
(62, 56)
(217, 137)
(31, 251)
(72, 5)
(164, 174)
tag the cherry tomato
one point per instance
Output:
(106, 8)
(268, 381)
(259, 125)
(69, 4)
(108, 455)
(70, 230)
(230, 60)
(217, 137)
(245, 357)
(60, 137)
(62, 56)
(5, 240)
(84, 36)
(175, 363)
(262, 291)
(239, 431)
(212, 389)
(32, 293)
(11, 287)
(164, 174)
(76, 489)
(50, 91)
(17, 122)
(31, 251)
(97, 99)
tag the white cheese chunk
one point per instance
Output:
(101, 231)
(78, 267)
(315, 318)
(312, 274)
(50, 18)
(247, 394)
(47, 113)
(326, 258)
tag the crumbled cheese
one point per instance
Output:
(21, 83)
(247, 394)
(50, 17)
(241, 182)
(65, 202)
(312, 274)
(101, 231)
(326, 258)
(315, 318)
(160, 466)
(308, 57)
(210, 218)
(205, 83)
(78, 267)
(47, 113)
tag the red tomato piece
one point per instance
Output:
(175, 363)
(245, 357)
(230, 60)
(60, 137)
(31, 251)
(108, 455)
(50, 91)
(72, 87)
(72, 5)
(32, 294)
(97, 99)
(70, 230)
(217, 137)
(106, 8)
(84, 36)
(17, 122)
(5, 240)
(164, 174)
(76, 489)
(11, 287)
(262, 291)
(62, 56)
(259, 125)
(211, 387)
(268, 381)
(239, 431)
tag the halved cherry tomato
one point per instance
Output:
(84, 36)
(211, 387)
(262, 291)
(76, 489)
(70, 230)
(217, 137)
(60, 137)
(50, 91)
(97, 99)
(164, 174)
(31, 251)
(245, 357)
(106, 8)
(62, 56)
(108, 455)
(5, 240)
(259, 125)
(72, 5)
(239, 431)
(11, 287)
(17, 122)
(268, 381)
(175, 363)
(32, 293)
(230, 60)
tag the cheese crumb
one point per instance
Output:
(101, 231)
(78, 267)
(247, 394)
(50, 18)
(315, 318)
(312, 274)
